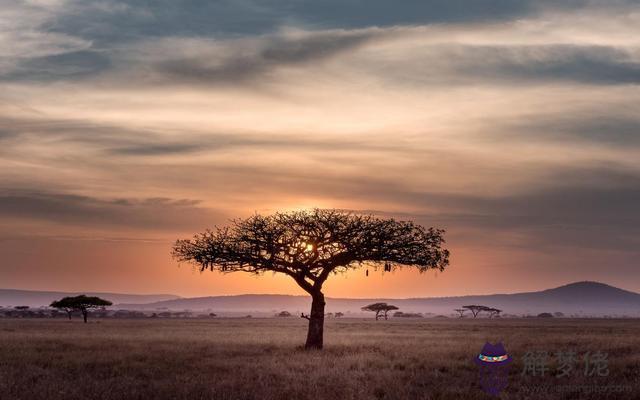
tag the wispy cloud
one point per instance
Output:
(227, 66)
(151, 213)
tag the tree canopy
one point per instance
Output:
(380, 308)
(477, 309)
(80, 303)
(311, 245)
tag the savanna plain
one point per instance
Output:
(255, 358)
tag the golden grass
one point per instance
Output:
(261, 358)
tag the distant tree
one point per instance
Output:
(329, 315)
(212, 315)
(493, 312)
(476, 309)
(283, 314)
(380, 309)
(21, 308)
(545, 315)
(558, 314)
(63, 306)
(460, 311)
(339, 315)
(309, 246)
(80, 303)
(389, 308)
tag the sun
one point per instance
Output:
(307, 246)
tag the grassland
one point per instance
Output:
(261, 359)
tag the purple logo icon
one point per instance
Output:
(493, 362)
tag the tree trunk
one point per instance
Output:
(84, 315)
(316, 322)
(69, 315)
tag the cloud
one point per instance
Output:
(586, 64)
(226, 65)
(67, 66)
(121, 21)
(449, 64)
(114, 140)
(590, 126)
(511, 123)
(436, 42)
(582, 208)
(23, 34)
(594, 208)
(74, 210)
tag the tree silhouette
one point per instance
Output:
(339, 314)
(460, 311)
(493, 312)
(380, 308)
(309, 246)
(389, 308)
(80, 303)
(476, 309)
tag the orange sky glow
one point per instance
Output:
(517, 135)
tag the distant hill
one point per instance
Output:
(34, 298)
(581, 298)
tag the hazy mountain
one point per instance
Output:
(585, 298)
(33, 298)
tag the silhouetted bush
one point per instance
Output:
(400, 314)
(283, 314)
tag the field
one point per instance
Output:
(261, 359)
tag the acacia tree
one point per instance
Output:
(80, 303)
(460, 311)
(380, 308)
(493, 312)
(389, 308)
(64, 306)
(476, 309)
(309, 246)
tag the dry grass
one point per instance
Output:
(261, 359)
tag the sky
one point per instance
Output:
(513, 124)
